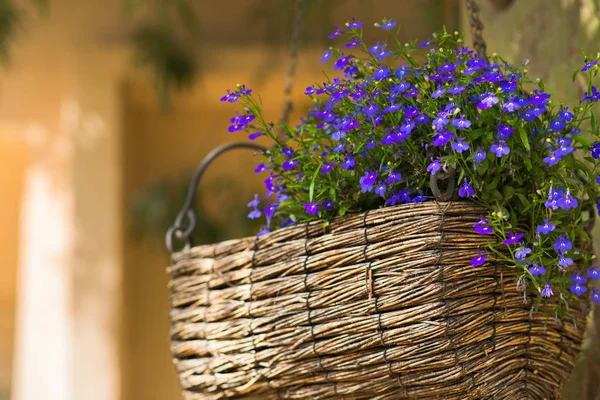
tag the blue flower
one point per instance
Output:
(289, 164)
(487, 101)
(377, 48)
(480, 155)
(512, 238)
(557, 125)
(552, 159)
(312, 208)
(370, 110)
(595, 295)
(335, 33)
(442, 138)
(326, 56)
(565, 114)
(434, 166)
(568, 202)
(355, 42)
(538, 97)
(382, 73)
(595, 149)
(578, 289)
(562, 244)
(593, 273)
(461, 123)
(380, 189)
(588, 65)
(440, 121)
(460, 145)
(511, 105)
(367, 181)
(438, 93)
(326, 167)
(483, 226)
(505, 131)
(536, 270)
(593, 97)
(479, 260)
(547, 290)
(466, 190)
(546, 228)
(255, 213)
(327, 204)
(564, 262)
(354, 24)
(393, 177)
(260, 168)
(348, 163)
(500, 149)
(388, 25)
(522, 253)
(554, 197)
(419, 198)
(456, 89)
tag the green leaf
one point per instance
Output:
(508, 192)
(524, 138)
(523, 199)
(312, 183)
(583, 140)
(594, 123)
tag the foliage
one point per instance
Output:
(376, 136)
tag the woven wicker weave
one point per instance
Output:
(381, 305)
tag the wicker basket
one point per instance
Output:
(381, 305)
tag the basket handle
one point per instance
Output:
(182, 230)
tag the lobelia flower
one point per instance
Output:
(312, 208)
(480, 155)
(434, 166)
(564, 147)
(593, 97)
(354, 24)
(553, 198)
(479, 260)
(512, 238)
(326, 56)
(388, 25)
(536, 270)
(335, 33)
(588, 65)
(393, 177)
(460, 145)
(538, 97)
(461, 123)
(568, 202)
(419, 198)
(380, 189)
(456, 89)
(367, 181)
(562, 244)
(438, 93)
(487, 101)
(327, 204)
(557, 125)
(483, 226)
(595, 150)
(505, 131)
(382, 73)
(522, 253)
(440, 121)
(466, 190)
(546, 228)
(511, 105)
(595, 295)
(355, 42)
(593, 273)
(552, 159)
(442, 138)
(500, 149)
(255, 213)
(578, 281)
(547, 290)
(564, 262)
(349, 163)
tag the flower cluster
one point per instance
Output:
(377, 132)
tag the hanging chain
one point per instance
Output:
(294, 45)
(476, 28)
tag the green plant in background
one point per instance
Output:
(385, 132)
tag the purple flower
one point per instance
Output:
(487, 101)
(565, 114)
(578, 279)
(327, 167)
(479, 260)
(511, 105)
(546, 228)
(562, 244)
(382, 73)
(552, 159)
(354, 24)
(326, 56)
(536, 270)
(335, 33)
(483, 226)
(456, 89)
(434, 166)
(480, 155)
(461, 123)
(312, 208)
(442, 138)
(505, 131)
(578, 289)
(557, 125)
(438, 93)
(370, 110)
(466, 190)
(594, 95)
(500, 149)
(593, 273)
(440, 121)
(393, 176)
(348, 163)
(553, 198)
(367, 181)
(547, 290)
(595, 295)
(538, 97)
(380, 189)
(388, 25)
(420, 198)
(568, 202)
(564, 262)
(327, 204)
(260, 168)
(289, 153)
(289, 164)
(353, 43)
(460, 146)
(512, 238)
(595, 149)
(588, 65)
(522, 253)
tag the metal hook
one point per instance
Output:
(183, 231)
(433, 182)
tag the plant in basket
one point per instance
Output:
(426, 236)
(403, 117)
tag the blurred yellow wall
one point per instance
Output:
(14, 156)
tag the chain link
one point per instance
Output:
(476, 29)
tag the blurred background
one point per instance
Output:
(106, 109)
